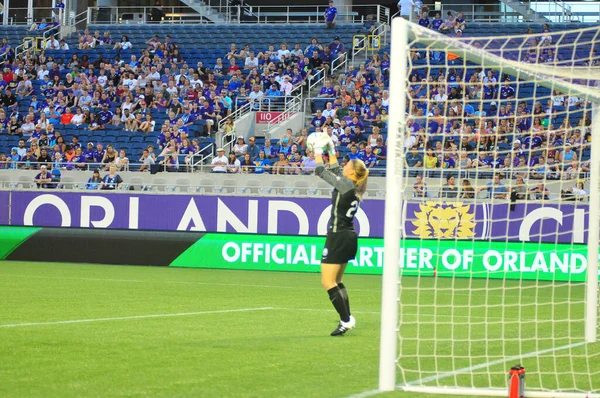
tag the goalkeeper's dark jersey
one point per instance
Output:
(344, 200)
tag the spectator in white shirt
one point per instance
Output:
(77, 117)
(42, 72)
(256, 96)
(286, 85)
(240, 148)
(52, 43)
(557, 99)
(219, 163)
(233, 164)
(573, 101)
(251, 61)
(127, 115)
(334, 137)
(441, 97)
(124, 44)
(153, 75)
(329, 111)
(283, 52)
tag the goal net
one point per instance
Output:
(492, 190)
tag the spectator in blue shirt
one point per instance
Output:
(104, 116)
(253, 149)
(507, 92)
(272, 93)
(327, 91)
(496, 189)
(94, 181)
(98, 153)
(424, 21)
(313, 47)
(369, 158)
(437, 22)
(261, 163)
(330, 15)
(353, 154)
(336, 48)
(43, 178)
(347, 139)
(318, 120)
(89, 152)
(269, 150)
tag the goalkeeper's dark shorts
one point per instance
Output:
(340, 247)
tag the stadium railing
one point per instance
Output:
(29, 16)
(292, 107)
(249, 14)
(267, 185)
(164, 177)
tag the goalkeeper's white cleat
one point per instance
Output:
(352, 323)
(343, 327)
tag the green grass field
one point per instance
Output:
(86, 330)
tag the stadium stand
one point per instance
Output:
(131, 78)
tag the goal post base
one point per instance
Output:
(483, 392)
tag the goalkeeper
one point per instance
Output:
(341, 245)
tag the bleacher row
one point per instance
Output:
(207, 42)
(203, 43)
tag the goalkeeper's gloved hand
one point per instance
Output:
(312, 141)
(328, 146)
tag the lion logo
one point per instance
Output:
(445, 221)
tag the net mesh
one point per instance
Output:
(496, 156)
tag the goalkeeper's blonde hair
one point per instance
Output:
(361, 173)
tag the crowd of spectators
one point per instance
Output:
(127, 95)
(460, 119)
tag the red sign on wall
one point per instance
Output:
(266, 117)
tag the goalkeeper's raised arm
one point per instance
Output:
(341, 245)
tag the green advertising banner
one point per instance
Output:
(474, 259)
(13, 237)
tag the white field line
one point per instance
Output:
(439, 291)
(411, 314)
(365, 394)
(126, 318)
(370, 393)
(491, 363)
(180, 314)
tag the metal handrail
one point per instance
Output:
(29, 42)
(203, 156)
(79, 18)
(314, 83)
(251, 14)
(30, 14)
(292, 107)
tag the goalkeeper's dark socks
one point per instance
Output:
(337, 299)
(345, 296)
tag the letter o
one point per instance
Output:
(457, 259)
(236, 252)
(47, 199)
(486, 260)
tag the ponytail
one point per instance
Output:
(361, 173)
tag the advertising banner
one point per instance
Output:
(556, 223)
(475, 259)
(4, 207)
(265, 117)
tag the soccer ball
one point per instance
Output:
(315, 140)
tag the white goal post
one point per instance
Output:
(499, 221)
